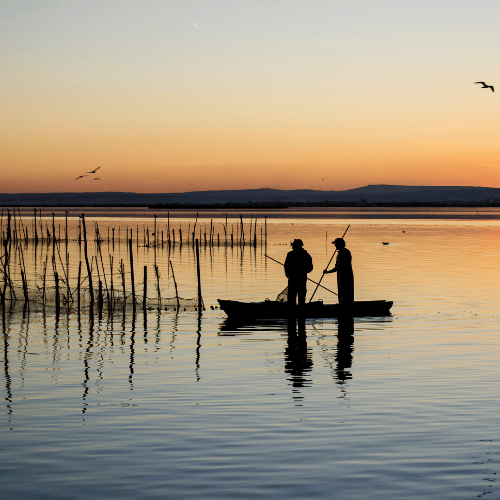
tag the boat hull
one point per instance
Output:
(271, 309)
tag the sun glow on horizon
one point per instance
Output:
(328, 97)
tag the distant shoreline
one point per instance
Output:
(253, 199)
(284, 206)
(261, 206)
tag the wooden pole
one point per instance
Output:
(158, 294)
(89, 272)
(56, 279)
(34, 227)
(112, 298)
(44, 281)
(53, 228)
(175, 284)
(200, 300)
(78, 286)
(145, 294)
(100, 298)
(155, 238)
(122, 274)
(168, 227)
(132, 273)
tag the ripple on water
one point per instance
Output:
(176, 407)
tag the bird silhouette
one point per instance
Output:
(96, 179)
(484, 86)
(94, 171)
(80, 176)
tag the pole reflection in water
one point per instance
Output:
(132, 352)
(23, 344)
(8, 381)
(198, 347)
(298, 358)
(86, 365)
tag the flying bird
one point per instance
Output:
(96, 179)
(194, 25)
(484, 86)
(80, 176)
(94, 171)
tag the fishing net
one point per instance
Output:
(282, 296)
(46, 296)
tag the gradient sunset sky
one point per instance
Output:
(174, 96)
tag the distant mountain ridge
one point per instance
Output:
(381, 193)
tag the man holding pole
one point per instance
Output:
(345, 276)
(297, 264)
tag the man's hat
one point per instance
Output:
(339, 241)
(297, 243)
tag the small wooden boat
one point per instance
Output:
(272, 309)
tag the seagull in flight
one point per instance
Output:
(96, 179)
(80, 176)
(94, 171)
(486, 86)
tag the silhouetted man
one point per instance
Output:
(297, 264)
(345, 276)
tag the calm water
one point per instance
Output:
(175, 406)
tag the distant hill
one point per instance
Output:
(373, 194)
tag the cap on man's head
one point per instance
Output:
(297, 243)
(339, 242)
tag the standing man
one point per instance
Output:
(345, 276)
(297, 264)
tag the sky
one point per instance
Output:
(185, 95)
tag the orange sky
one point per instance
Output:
(255, 95)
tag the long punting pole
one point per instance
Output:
(328, 265)
(328, 290)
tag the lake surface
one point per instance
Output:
(172, 405)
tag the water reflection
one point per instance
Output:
(198, 347)
(345, 349)
(8, 381)
(86, 364)
(83, 347)
(298, 358)
(132, 353)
